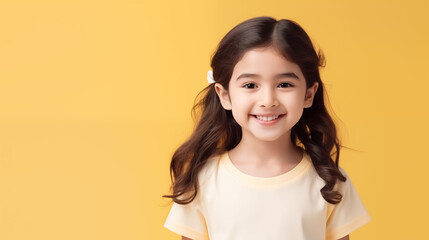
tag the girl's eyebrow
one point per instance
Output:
(281, 75)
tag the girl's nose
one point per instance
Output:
(267, 98)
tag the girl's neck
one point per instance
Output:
(253, 151)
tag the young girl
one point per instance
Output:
(262, 162)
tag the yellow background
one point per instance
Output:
(96, 95)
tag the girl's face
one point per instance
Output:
(267, 94)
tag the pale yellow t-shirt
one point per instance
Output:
(232, 205)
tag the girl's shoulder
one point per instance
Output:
(343, 187)
(340, 185)
(210, 168)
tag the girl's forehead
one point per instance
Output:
(267, 60)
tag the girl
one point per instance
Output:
(262, 162)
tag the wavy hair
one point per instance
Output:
(216, 130)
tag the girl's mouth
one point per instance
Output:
(268, 118)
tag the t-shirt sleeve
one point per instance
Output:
(348, 215)
(187, 220)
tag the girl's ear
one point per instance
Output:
(309, 95)
(223, 96)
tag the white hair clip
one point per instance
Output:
(210, 77)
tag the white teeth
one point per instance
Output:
(267, 118)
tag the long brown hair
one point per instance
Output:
(217, 131)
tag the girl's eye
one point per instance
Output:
(285, 85)
(249, 85)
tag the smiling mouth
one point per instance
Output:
(267, 118)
